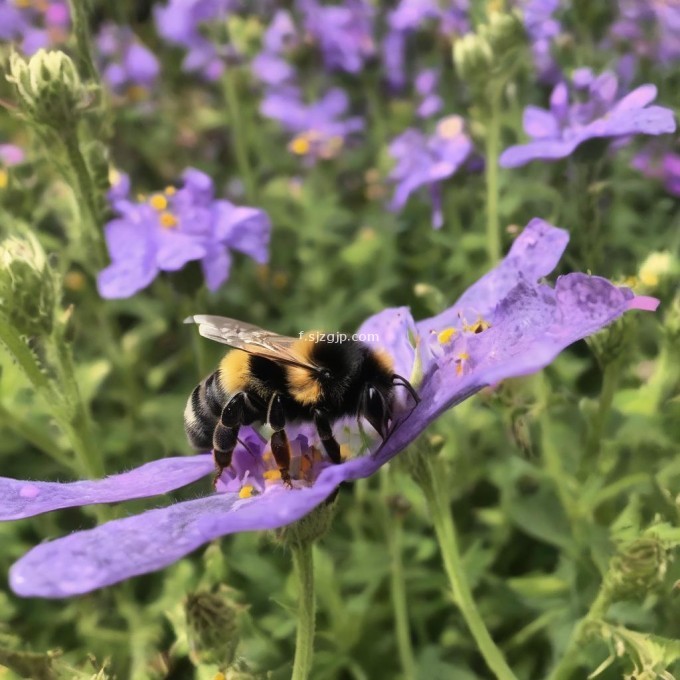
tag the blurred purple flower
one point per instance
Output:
(659, 163)
(520, 327)
(449, 19)
(596, 111)
(650, 27)
(34, 24)
(542, 30)
(180, 23)
(425, 160)
(427, 85)
(270, 66)
(320, 129)
(174, 227)
(128, 66)
(11, 154)
(344, 32)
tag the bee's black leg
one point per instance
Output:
(330, 443)
(225, 435)
(276, 419)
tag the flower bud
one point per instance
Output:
(504, 32)
(28, 286)
(213, 627)
(637, 569)
(48, 86)
(472, 57)
(612, 343)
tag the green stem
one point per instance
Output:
(303, 562)
(493, 140)
(569, 663)
(81, 29)
(445, 529)
(239, 133)
(86, 192)
(394, 533)
(610, 380)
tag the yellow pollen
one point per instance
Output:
(300, 146)
(272, 474)
(246, 491)
(158, 202)
(462, 357)
(4, 179)
(220, 676)
(649, 279)
(345, 451)
(170, 191)
(74, 281)
(446, 335)
(450, 127)
(168, 220)
(114, 177)
(478, 326)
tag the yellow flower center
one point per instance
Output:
(272, 474)
(450, 127)
(446, 335)
(246, 491)
(478, 326)
(4, 178)
(158, 202)
(300, 145)
(168, 220)
(170, 191)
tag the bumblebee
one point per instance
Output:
(277, 380)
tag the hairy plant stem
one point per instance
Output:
(492, 150)
(85, 192)
(303, 563)
(610, 381)
(239, 132)
(394, 532)
(569, 662)
(81, 29)
(431, 482)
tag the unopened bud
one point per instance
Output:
(637, 569)
(48, 86)
(213, 629)
(28, 287)
(504, 32)
(472, 57)
(612, 343)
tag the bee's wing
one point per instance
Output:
(249, 338)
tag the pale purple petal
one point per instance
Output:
(539, 123)
(216, 267)
(125, 278)
(534, 254)
(522, 154)
(639, 97)
(19, 499)
(393, 329)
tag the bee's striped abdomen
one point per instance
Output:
(203, 410)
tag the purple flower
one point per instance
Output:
(344, 32)
(320, 130)
(270, 65)
(127, 65)
(650, 27)
(427, 84)
(172, 228)
(426, 160)
(11, 154)
(659, 163)
(409, 16)
(596, 111)
(44, 25)
(518, 327)
(542, 30)
(180, 23)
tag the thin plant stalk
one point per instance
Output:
(492, 149)
(445, 530)
(303, 563)
(610, 381)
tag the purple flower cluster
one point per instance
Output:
(426, 160)
(650, 27)
(593, 109)
(181, 22)
(542, 29)
(129, 67)
(451, 19)
(271, 66)
(518, 326)
(320, 130)
(173, 227)
(661, 164)
(35, 24)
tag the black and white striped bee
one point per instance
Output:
(277, 380)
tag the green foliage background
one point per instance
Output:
(548, 477)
